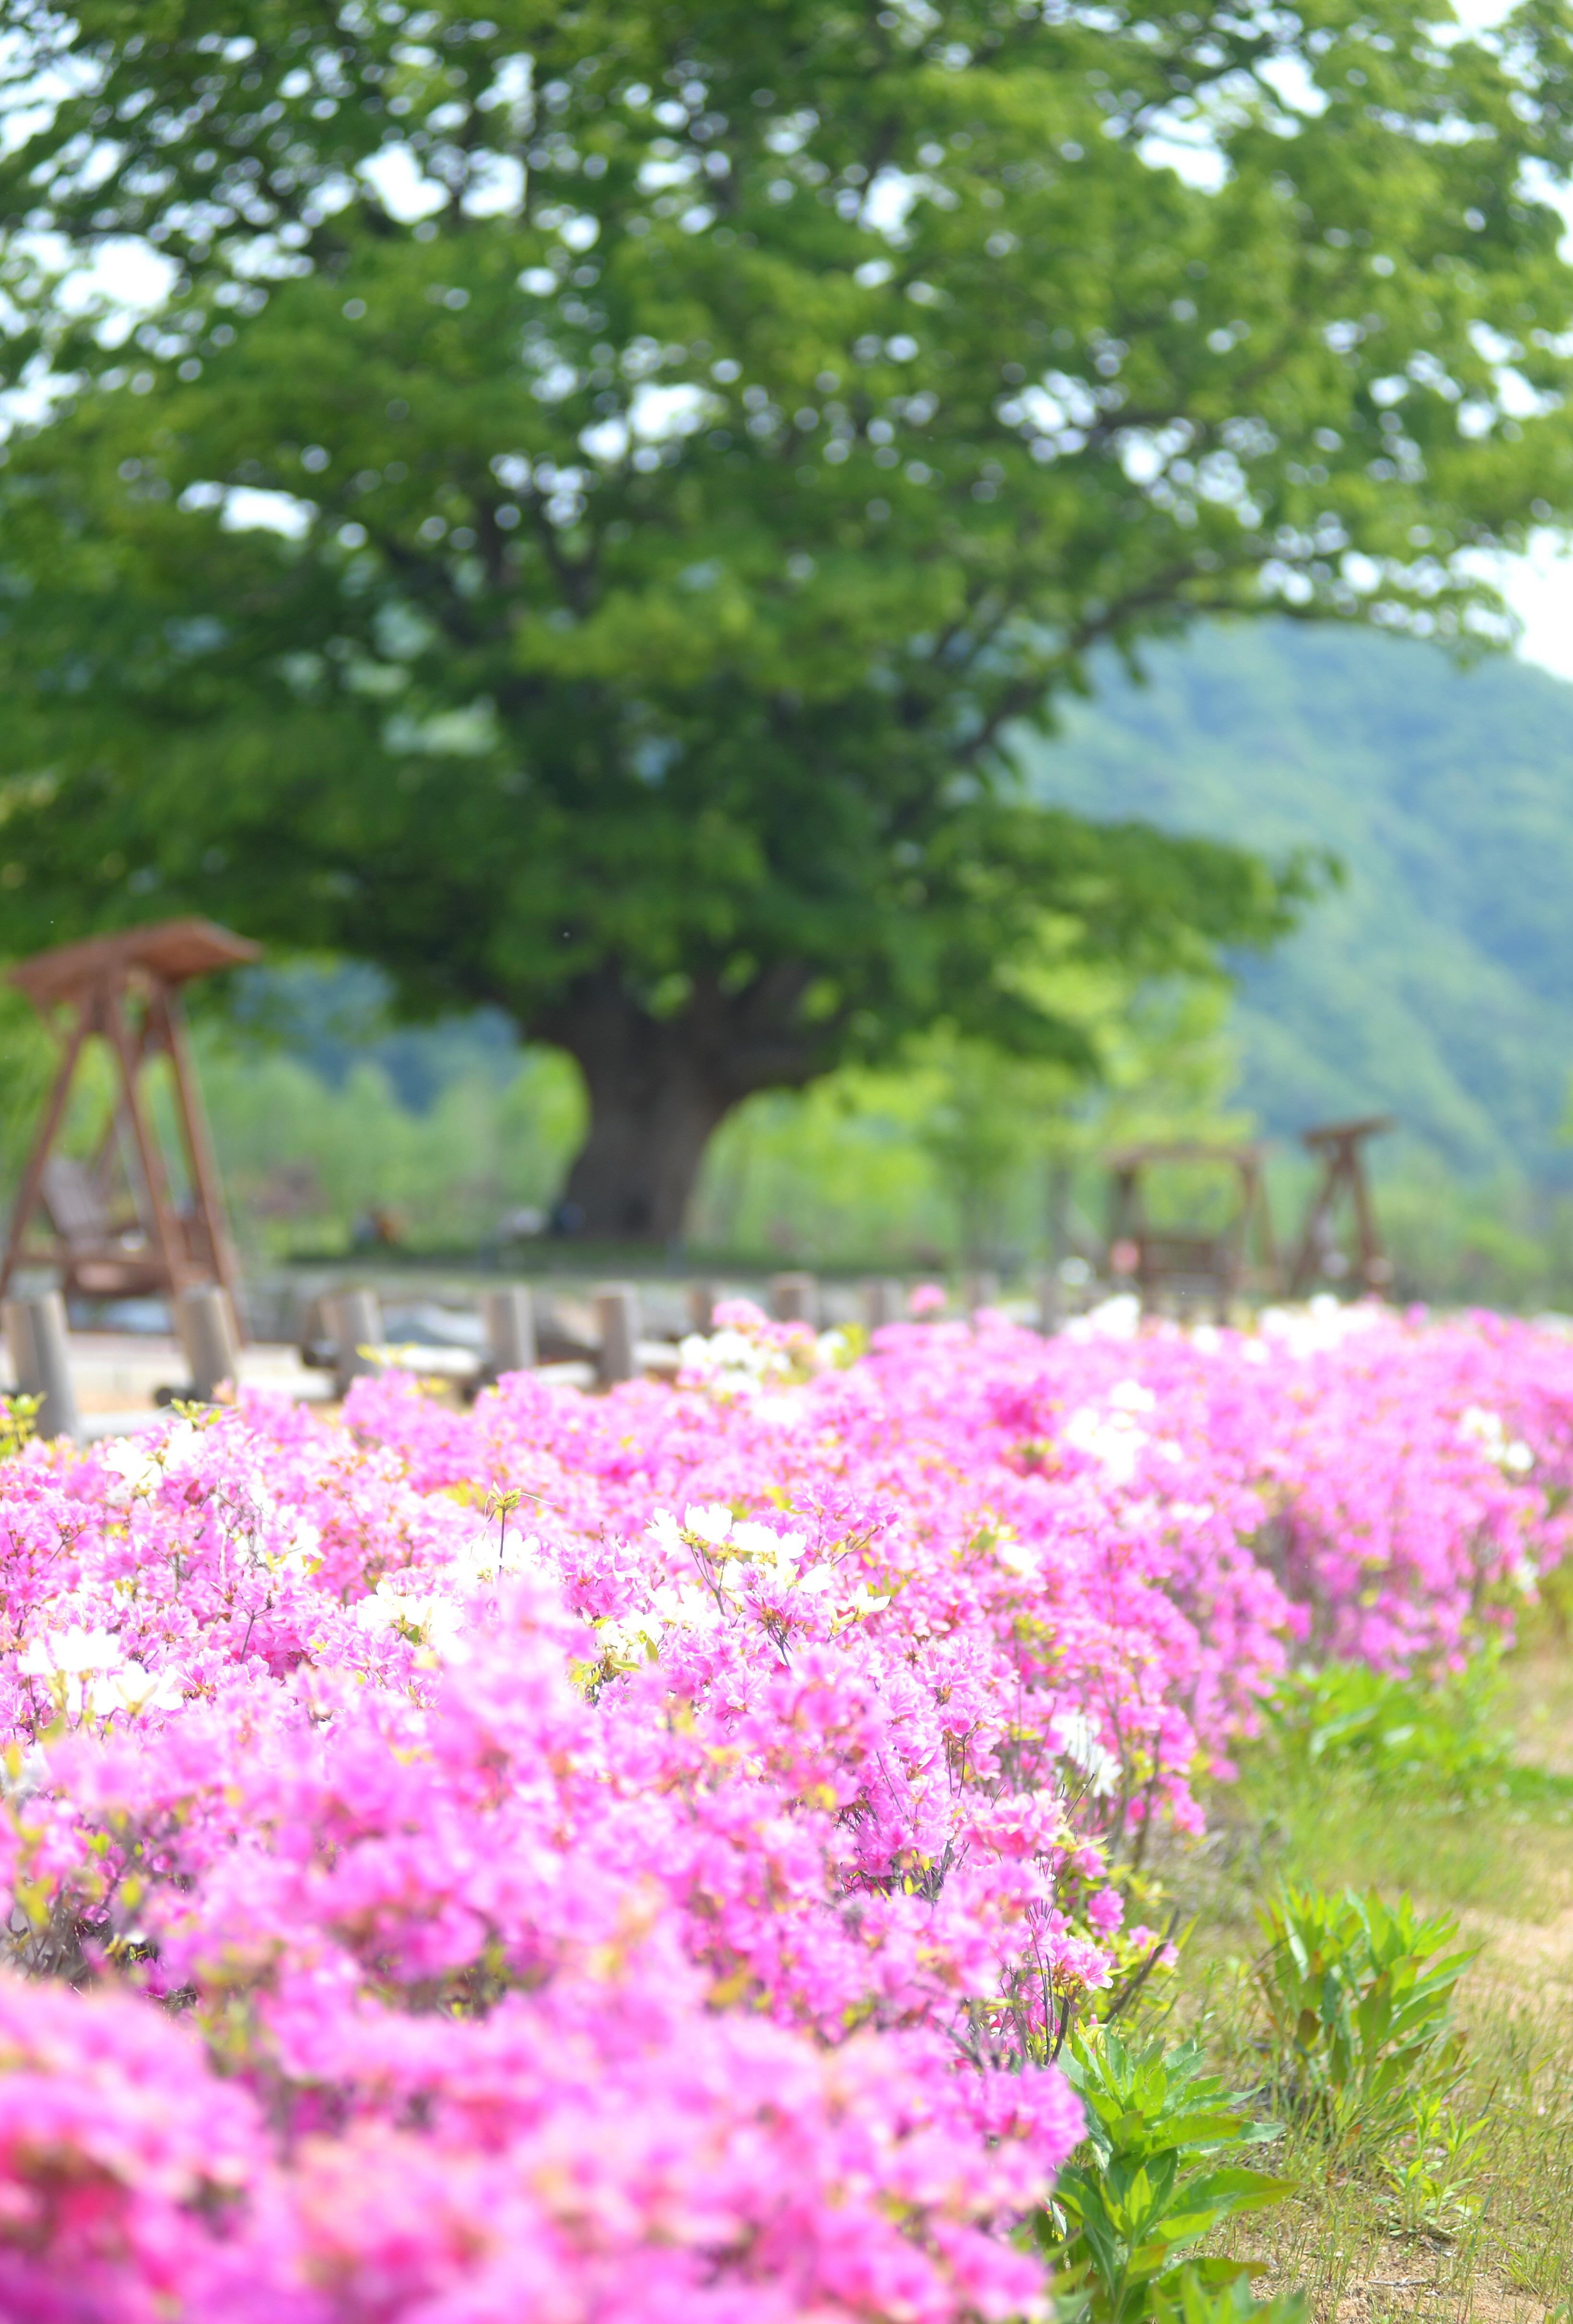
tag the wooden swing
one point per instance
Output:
(115, 1227)
(1190, 1260)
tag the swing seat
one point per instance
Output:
(1187, 1263)
(1193, 1261)
(98, 1257)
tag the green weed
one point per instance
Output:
(1162, 2173)
(1358, 1999)
(18, 1424)
(1189, 2299)
(1446, 1739)
(1432, 2169)
(1462, 2206)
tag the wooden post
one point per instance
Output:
(355, 1321)
(510, 1320)
(617, 1316)
(795, 1299)
(170, 1242)
(211, 1220)
(882, 1302)
(32, 1177)
(315, 1328)
(205, 1321)
(1057, 1212)
(702, 1308)
(1375, 1270)
(1256, 1218)
(980, 1288)
(1338, 1146)
(35, 1330)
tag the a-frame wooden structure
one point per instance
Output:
(1336, 1145)
(116, 1226)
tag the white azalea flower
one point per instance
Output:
(138, 1471)
(665, 1532)
(1119, 1318)
(729, 1363)
(684, 1606)
(428, 1620)
(1485, 1429)
(1325, 1322)
(491, 1554)
(1112, 1439)
(710, 1520)
(66, 1658)
(1073, 1735)
(141, 1465)
(627, 1642)
(134, 1690)
(70, 1653)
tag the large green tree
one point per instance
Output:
(695, 436)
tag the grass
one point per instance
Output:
(1502, 1864)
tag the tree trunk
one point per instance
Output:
(658, 1087)
(632, 1178)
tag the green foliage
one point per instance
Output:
(303, 1160)
(1162, 2173)
(950, 1155)
(1432, 2169)
(976, 1131)
(766, 415)
(1189, 2300)
(1505, 1241)
(1442, 1741)
(1358, 2000)
(837, 1172)
(1448, 1736)
(18, 1418)
(28, 1061)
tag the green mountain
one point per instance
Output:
(1437, 984)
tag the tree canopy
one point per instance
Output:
(597, 490)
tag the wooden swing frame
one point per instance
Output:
(1191, 1261)
(1337, 1145)
(124, 989)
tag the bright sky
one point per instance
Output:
(1540, 588)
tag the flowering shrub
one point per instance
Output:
(639, 1856)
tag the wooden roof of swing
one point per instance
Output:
(171, 951)
(1331, 1133)
(1138, 1158)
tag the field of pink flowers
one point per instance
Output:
(636, 1857)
